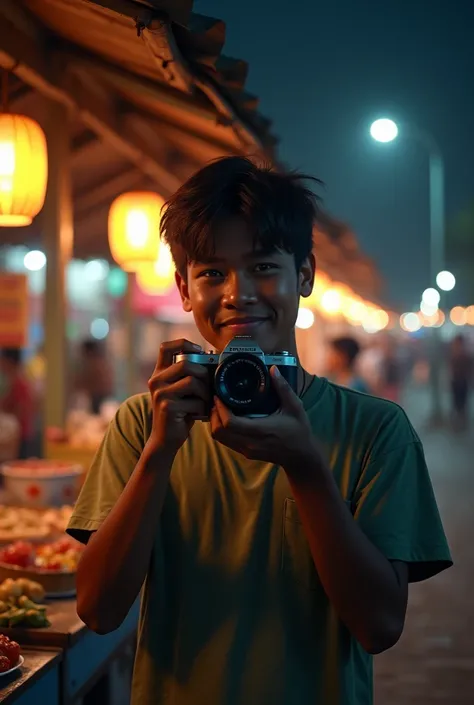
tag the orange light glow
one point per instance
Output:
(157, 278)
(458, 316)
(23, 170)
(470, 315)
(134, 229)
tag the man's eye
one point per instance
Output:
(211, 273)
(265, 267)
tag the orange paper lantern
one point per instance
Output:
(134, 229)
(23, 170)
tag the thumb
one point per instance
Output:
(288, 399)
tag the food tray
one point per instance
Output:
(55, 582)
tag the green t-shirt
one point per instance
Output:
(233, 612)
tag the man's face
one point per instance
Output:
(242, 291)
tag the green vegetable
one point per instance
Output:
(28, 604)
(16, 616)
(36, 619)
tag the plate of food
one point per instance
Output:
(21, 605)
(10, 656)
(53, 565)
(31, 524)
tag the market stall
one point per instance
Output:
(38, 564)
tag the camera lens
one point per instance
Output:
(241, 381)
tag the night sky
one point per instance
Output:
(324, 70)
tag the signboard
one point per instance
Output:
(13, 310)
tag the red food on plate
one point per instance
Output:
(62, 555)
(5, 664)
(19, 553)
(11, 650)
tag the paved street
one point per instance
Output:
(434, 661)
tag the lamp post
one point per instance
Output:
(386, 130)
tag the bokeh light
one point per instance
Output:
(458, 316)
(410, 322)
(446, 280)
(34, 260)
(305, 318)
(99, 328)
(431, 297)
(96, 269)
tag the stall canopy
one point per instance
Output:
(151, 93)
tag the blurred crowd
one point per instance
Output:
(385, 367)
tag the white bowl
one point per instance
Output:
(42, 483)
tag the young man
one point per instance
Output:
(18, 398)
(274, 553)
(342, 357)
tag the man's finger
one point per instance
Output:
(236, 424)
(171, 348)
(288, 399)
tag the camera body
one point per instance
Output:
(240, 375)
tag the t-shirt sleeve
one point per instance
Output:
(111, 469)
(396, 508)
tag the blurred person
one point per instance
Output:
(272, 554)
(18, 398)
(341, 364)
(390, 372)
(460, 372)
(94, 377)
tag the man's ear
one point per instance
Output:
(306, 276)
(183, 289)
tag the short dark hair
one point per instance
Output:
(12, 355)
(349, 347)
(278, 207)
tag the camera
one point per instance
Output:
(240, 375)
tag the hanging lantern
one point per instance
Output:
(23, 169)
(158, 278)
(134, 229)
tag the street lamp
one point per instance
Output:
(446, 281)
(386, 130)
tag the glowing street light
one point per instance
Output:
(384, 130)
(446, 281)
(431, 297)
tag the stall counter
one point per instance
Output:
(37, 681)
(85, 656)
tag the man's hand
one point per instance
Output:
(179, 393)
(283, 438)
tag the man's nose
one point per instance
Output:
(239, 291)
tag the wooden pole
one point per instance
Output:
(57, 221)
(130, 337)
